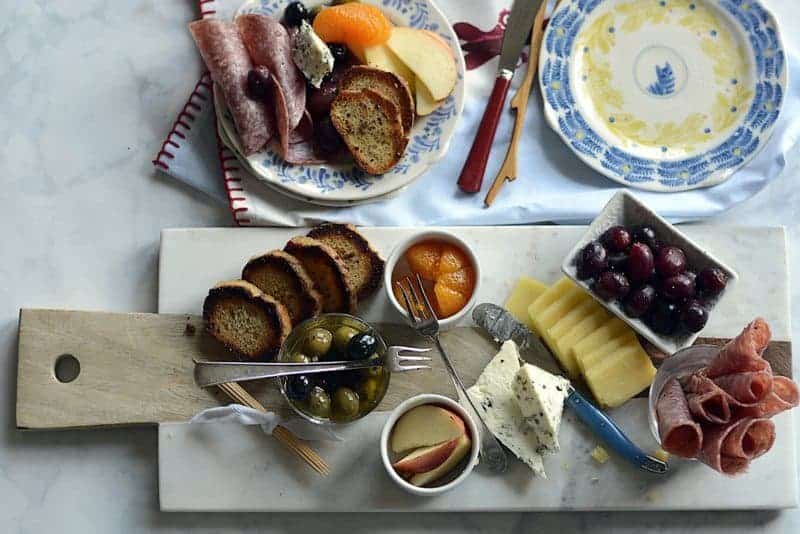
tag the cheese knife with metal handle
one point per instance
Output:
(502, 326)
(518, 27)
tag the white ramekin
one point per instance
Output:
(447, 237)
(413, 402)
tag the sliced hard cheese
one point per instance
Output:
(575, 335)
(545, 319)
(552, 294)
(564, 326)
(624, 340)
(619, 377)
(525, 291)
(600, 455)
(492, 393)
(540, 397)
(610, 329)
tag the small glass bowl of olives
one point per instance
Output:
(337, 397)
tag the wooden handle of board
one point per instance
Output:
(136, 368)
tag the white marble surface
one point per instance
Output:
(89, 89)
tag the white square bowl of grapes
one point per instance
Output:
(648, 273)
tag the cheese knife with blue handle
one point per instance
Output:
(502, 326)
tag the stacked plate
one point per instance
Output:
(343, 184)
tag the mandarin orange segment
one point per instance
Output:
(423, 258)
(462, 281)
(453, 259)
(448, 301)
(354, 24)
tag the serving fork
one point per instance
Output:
(209, 373)
(424, 321)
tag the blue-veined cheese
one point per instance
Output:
(311, 55)
(493, 395)
(540, 396)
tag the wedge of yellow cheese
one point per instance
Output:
(620, 376)
(558, 309)
(544, 300)
(525, 291)
(564, 326)
(587, 325)
(597, 355)
(610, 329)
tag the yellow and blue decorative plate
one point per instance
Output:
(664, 95)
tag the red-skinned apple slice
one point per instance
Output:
(426, 458)
(425, 426)
(461, 449)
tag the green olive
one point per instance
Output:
(345, 402)
(368, 389)
(342, 337)
(319, 402)
(375, 372)
(318, 342)
(299, 357)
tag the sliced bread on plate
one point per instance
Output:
(387, 84)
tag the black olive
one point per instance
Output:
(362, 346)
(298, 387)
(295, 14)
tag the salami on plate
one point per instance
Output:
(731, 401)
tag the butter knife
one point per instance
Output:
(502, 326)
(518, 27)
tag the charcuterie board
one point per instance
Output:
(231, 468)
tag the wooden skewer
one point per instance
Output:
(238, 394)
(508, 171)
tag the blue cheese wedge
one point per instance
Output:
(540, 396)
(493, 395)
(311, 55)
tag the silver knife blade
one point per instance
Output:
(502, 326)
(518, 26)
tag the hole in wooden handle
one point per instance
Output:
(67, 368)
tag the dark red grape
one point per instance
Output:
(640, 263)
(618, 261)
(711, 281)
(692, 276)
(611, 285)
(616, 239)
(694, 316)
(670, 261)
(319, 100)
(258, 84)
(664, 317)
(592, 261)
(295, 13)
(678, 287)
(645, 234)
(327, 140)
(639, 301)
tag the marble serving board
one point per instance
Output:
(233, 468)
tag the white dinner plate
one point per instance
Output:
(664, 95)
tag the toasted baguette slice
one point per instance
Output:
(371, 128)
(327, 271)
(283, 277)
(387, 84)
(248, 322)
(364, 264)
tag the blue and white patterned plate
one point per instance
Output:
(344, 184)
(664, 95)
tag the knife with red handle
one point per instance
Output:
(518, 27)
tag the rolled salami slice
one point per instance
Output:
(712, 455)
(749, 438)
(295, 148)
(784, 396)
(750, 387)
(742, 354)
(707, 401)
(270, 45)
(680, 434)
(226, 57)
